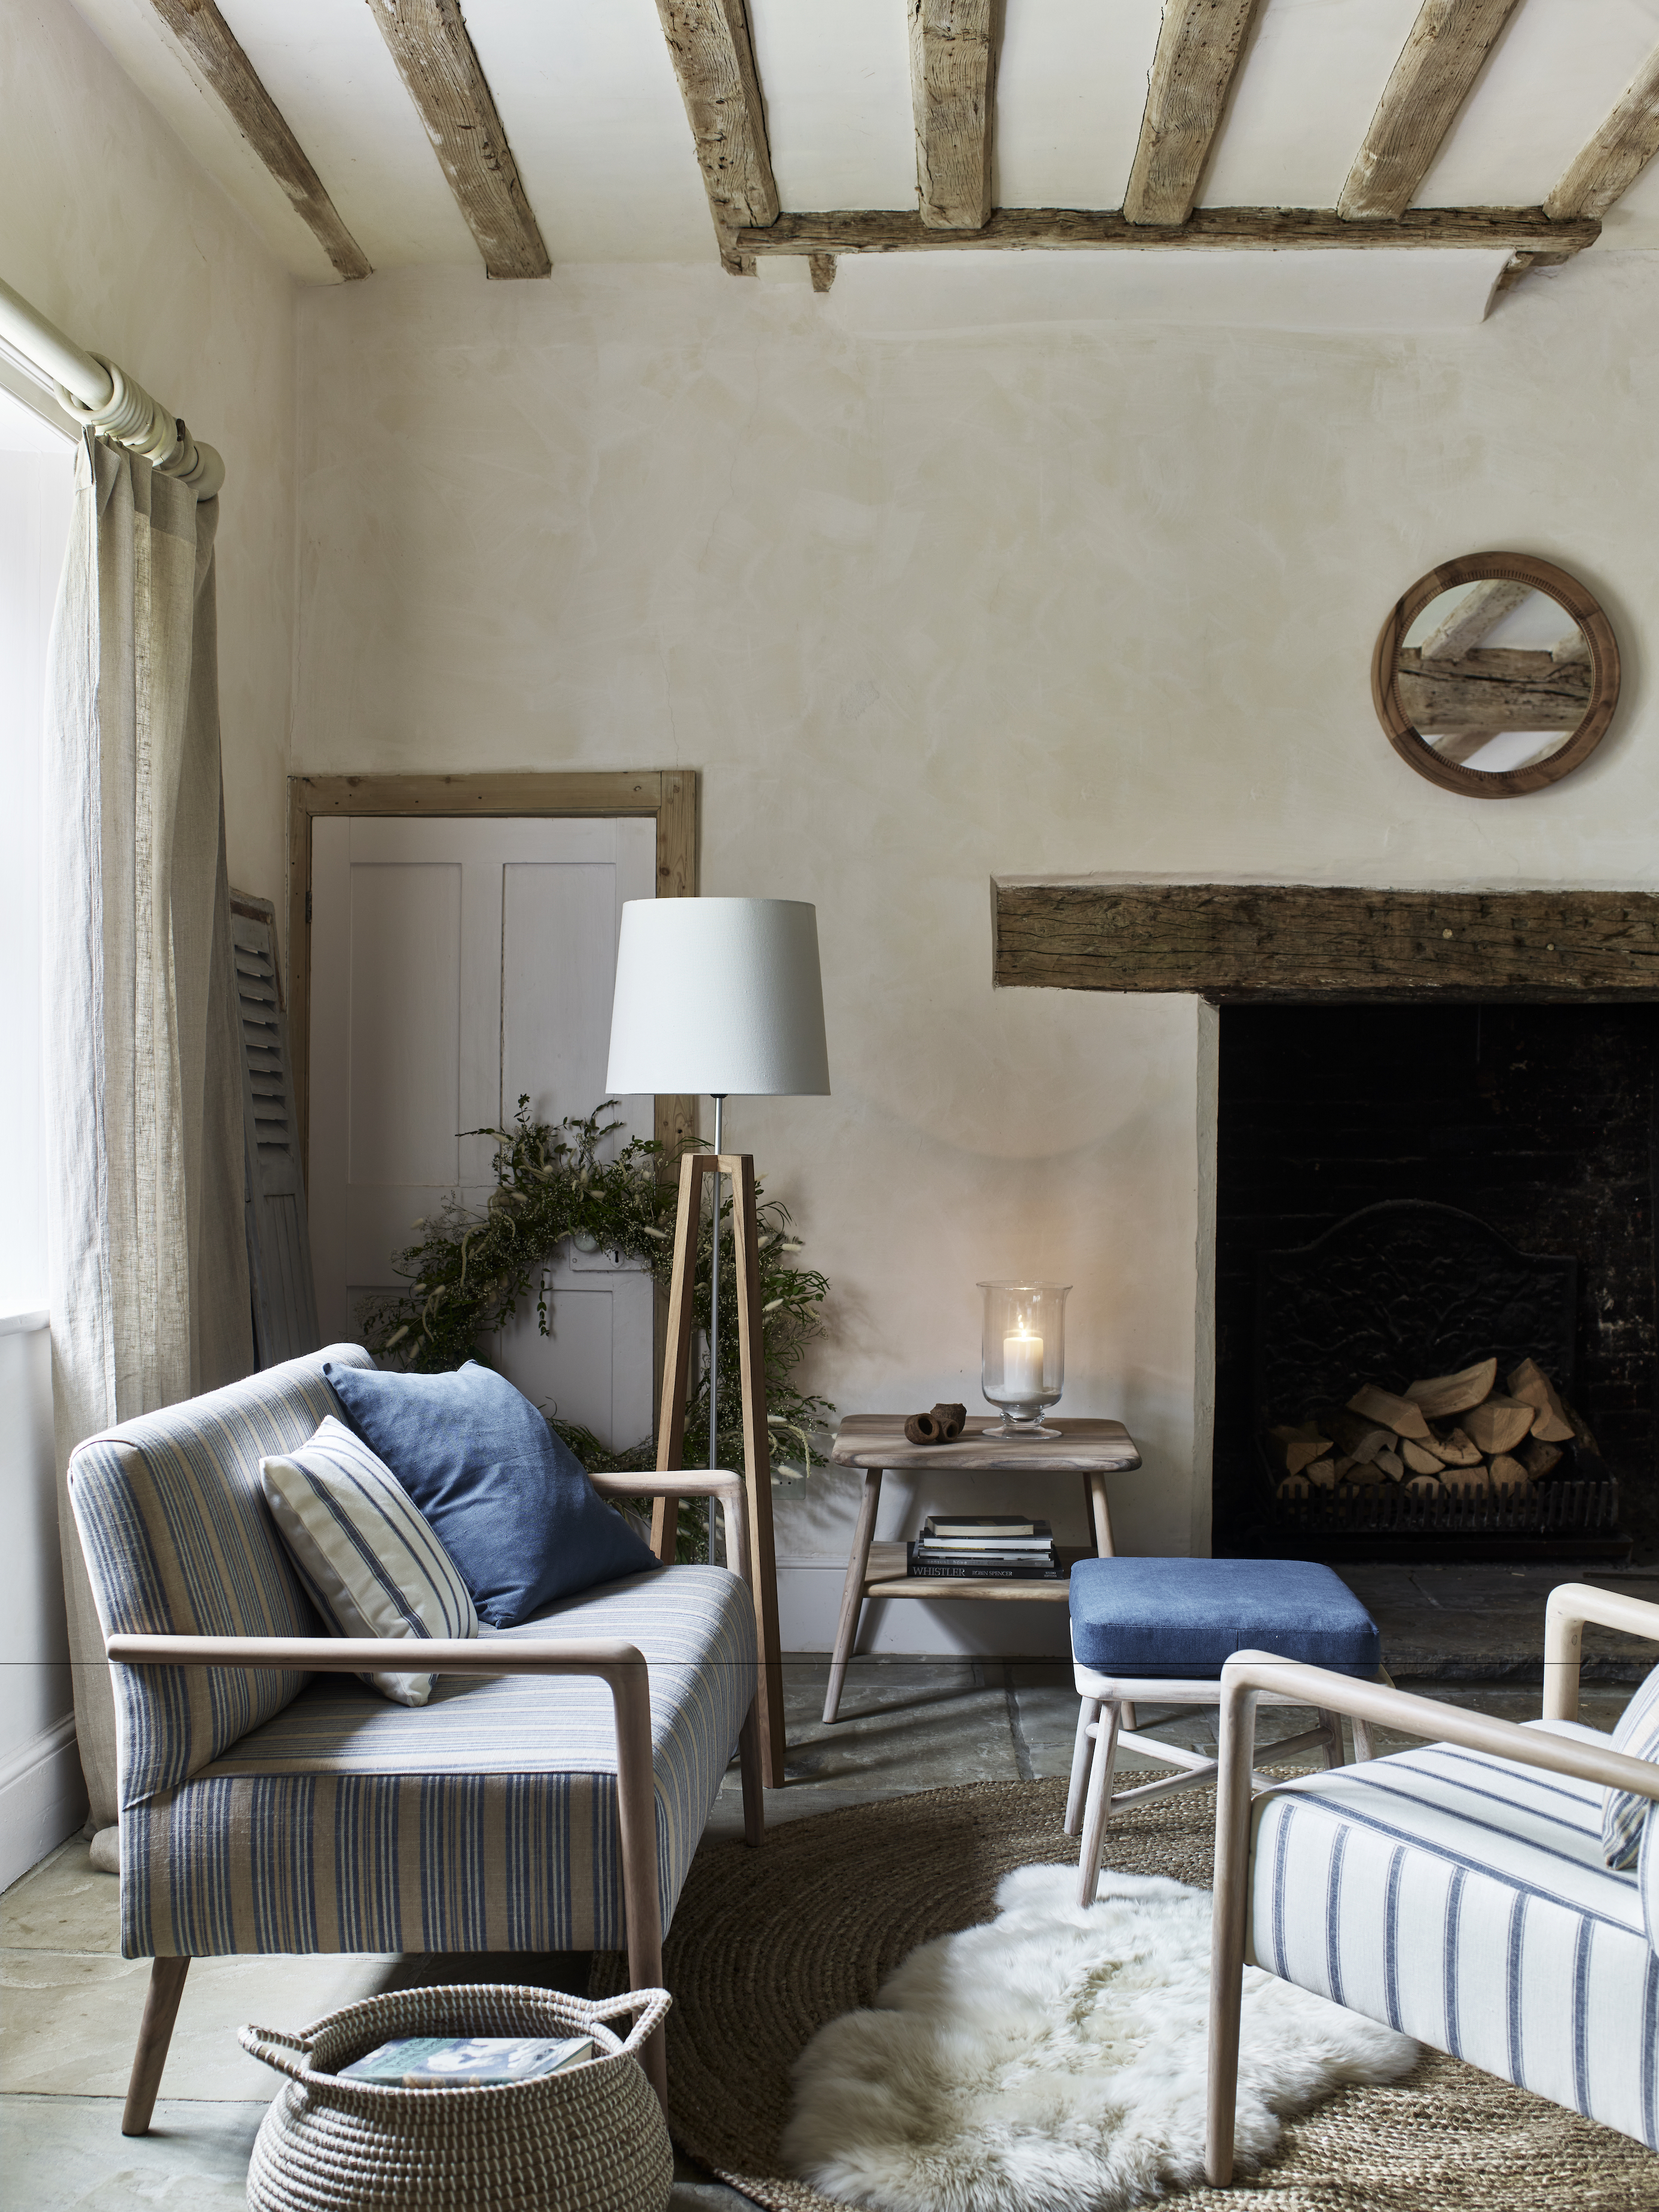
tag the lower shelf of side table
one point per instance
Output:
(887, 1578)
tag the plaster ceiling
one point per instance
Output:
(588, 96)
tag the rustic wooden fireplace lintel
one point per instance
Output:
(1264, 941)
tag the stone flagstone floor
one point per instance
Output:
(72, 2004)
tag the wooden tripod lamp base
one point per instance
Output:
(761, 1573)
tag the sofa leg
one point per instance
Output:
(167, 1986)
(748, 1763)
(645, 1973)
(636, 1805)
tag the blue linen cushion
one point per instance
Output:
(1186, 1618)
(510, 1502)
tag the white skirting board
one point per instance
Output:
(809, 1604)
(43, 1799)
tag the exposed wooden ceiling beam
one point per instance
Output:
(953, 91)
(1482, 607)
(208, 40)
(1199, 45)
(1464, 744)
(1433, 77)
(1485, 690)
(1608, 164)
(714, 60)
(1515, 230)
(1518, 267)
(437, 63)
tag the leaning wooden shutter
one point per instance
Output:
(278, 1243)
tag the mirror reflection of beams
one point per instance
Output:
(1495, 675)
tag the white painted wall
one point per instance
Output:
(1059, 598)
(112, 231)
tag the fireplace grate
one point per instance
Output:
(1571, 1509)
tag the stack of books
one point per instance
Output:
(984, 1548)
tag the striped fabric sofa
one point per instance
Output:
(1459, 1892)
(548, 1798)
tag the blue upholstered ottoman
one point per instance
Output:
(1160, 1631)
(1186, 1618)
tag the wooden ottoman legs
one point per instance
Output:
(1082, 1752)
(1097, 1804)
(167, 1986)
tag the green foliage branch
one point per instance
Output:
(474, 1270)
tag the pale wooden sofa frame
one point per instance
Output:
(622, 1666)
(1249, 1675)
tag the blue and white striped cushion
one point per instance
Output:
(1624, 1814)
(1465, 1900)
(364, 1549)
(487, 1822)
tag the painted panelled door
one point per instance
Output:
(456, 963)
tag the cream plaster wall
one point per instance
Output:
(1058, 599)
(112, 231)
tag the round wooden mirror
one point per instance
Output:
(1495, 675)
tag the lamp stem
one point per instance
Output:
(714, 1317)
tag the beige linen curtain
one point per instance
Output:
(148, 1256)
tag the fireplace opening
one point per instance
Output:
(1485, 1174)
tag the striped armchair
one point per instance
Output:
(548, 1798)
(1460, 1893)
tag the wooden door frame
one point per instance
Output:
(669, 796)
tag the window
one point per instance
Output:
(37, 477)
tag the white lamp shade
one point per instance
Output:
(718, 995)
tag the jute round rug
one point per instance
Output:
(768, 1945)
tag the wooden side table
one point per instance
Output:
(876, 1442)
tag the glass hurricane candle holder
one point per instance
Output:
(1022, 1361)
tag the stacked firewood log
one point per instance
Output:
(1450, 1432)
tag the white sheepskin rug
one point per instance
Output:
(1054, 2059)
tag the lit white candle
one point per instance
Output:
(1022, 1365)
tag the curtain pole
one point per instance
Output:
(27, 330)
(107, 400)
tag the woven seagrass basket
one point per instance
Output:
(590, 2139)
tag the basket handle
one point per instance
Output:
(270, 2045)
(652, 2005)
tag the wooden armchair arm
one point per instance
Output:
(682, 1482)
(1247, 1673)
(1569, 1609)
(1243, 1679)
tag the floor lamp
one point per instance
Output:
(721, 996)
